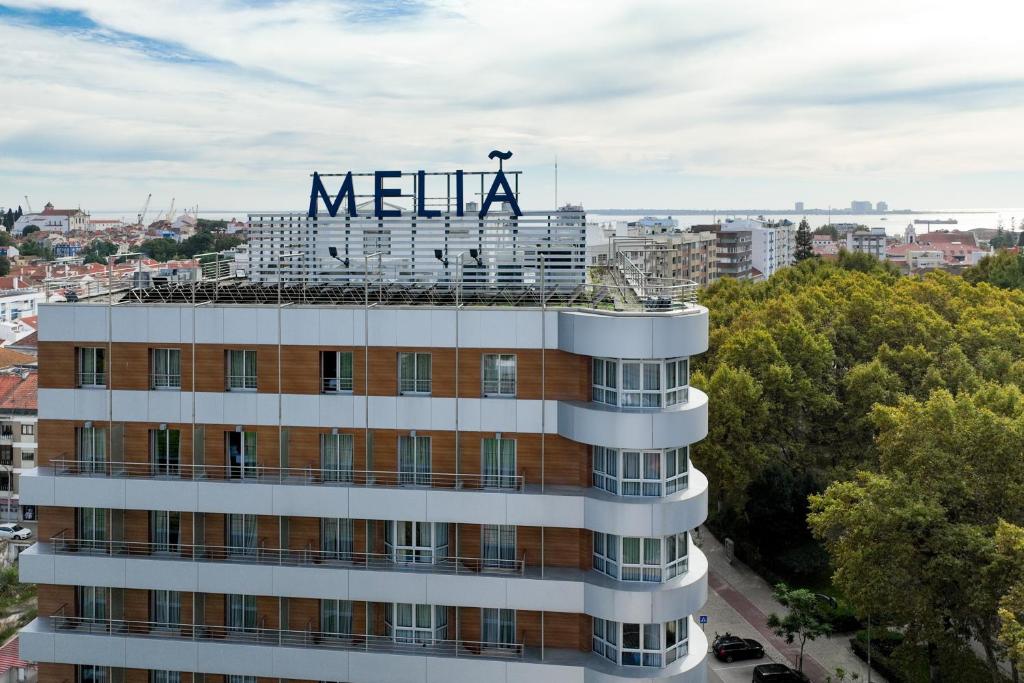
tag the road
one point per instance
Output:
(740, 672)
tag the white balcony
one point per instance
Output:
(301, 655)
(378, 497)
(297, 574)
(635, 428)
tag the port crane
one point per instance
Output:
(145, 209)
(170, 212)
(27, 204)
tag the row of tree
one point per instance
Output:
(8, 218)
(891, 411)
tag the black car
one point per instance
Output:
(729, 648)
(778, 673)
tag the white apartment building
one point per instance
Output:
(19, 303)
(53, 220)
(372, 479)
(773, 245)
(867, 241)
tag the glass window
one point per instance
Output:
(336, 538)
(92, 449)
(241, 612)
(336, 456)
(93, 602)
(416, 542)
(499, 626)
(27, 429)
(605, 381)
(414, 460)
(92, 367)
(650, 645)
(240, 532)
(499, 546)
(241, 365)
(676, 639)
(499, 374)
(605, 466)
(639, 383)
(499, 463)
(336, 372)
(165, 530)
(632, 558)
(606, 639)
(336, 617)
(677, 380)
(413, 623)
(166, 368)
(93, 674)
(164, 676)
(165, 445)
(676, 549)
(165, 607)
(92, 527)
(677, 468)
(414, 373)
(606, 554)
(241, 447)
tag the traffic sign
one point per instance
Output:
(702, 619)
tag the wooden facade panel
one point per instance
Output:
(52, 598)
(129, 366)
(57, 365)
(56, 673)
(56, 441)
(53, 520)
(301, 369)
(560, 629)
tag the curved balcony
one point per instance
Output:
(311, 655)
(602, 425)
(641, 335)
(456, 581)
(358, 494)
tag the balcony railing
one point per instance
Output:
(62, 545)
(284, 637)
(261, 474)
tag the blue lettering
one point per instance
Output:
(421, 198)
(380, 192)
(500, 182)
(319, 191)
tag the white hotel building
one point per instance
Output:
(369, 479)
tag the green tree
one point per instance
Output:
(1010, 549)
(5, 239)
(97, 251)
(830, 230)
(5, 266)
(804, 248)
(29, 229)
(803, 620)
(160, 249)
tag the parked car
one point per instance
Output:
(14, 532)
(729, 648)
(778, 673)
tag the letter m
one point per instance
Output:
(320, 192)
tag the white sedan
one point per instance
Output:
(14, 532)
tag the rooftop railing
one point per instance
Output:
(308, 638)
(282, 557)
(261, 474)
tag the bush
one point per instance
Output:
(884, 640)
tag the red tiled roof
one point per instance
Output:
(31, 341)
(9, 357)
(10, 657)
(17, 393)
(30, 320)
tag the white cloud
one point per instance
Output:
(232, 104)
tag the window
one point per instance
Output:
(92, 367)
(165, 530)
(6, 455)
(336, 617)
(93, 602)
(28, 430)
(632, 558)
(414, 460)
(6, 431)
(499, 374)
(92, 449)
(241, 451)
(416, 542)
(241, 612)
(336, 538)
(166, 368)
(93, 674)
(336, 456)
(640, 383)
(28, 456)
(499, 627)
(165, 445)
(640, 473)
(677, 381)
(414, 373)
(164, 676)
(165, 607)
(336, 372)
(498, 543)
(91, 526)
(605, 381)
(240, 532)
(5, 481)
(239, 679)
(651, 645)
(412, 623)
(499, 463)
(241, 365)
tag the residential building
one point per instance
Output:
(13, 669)
(367, 478)
(677, 255)
(959, 249)
(798, 207)
(773, 245)
(733, 250)
(53, 220)
(867, 241)
(18, 444)
(19, 303)
(926, 259)
(882, 207)
(857, 206)
(824, 246)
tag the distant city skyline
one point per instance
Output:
(232, 104)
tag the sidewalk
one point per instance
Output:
(750, 596)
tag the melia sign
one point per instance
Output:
(383, 188)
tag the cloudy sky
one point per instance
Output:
(231, 104)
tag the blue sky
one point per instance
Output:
(692, 103)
